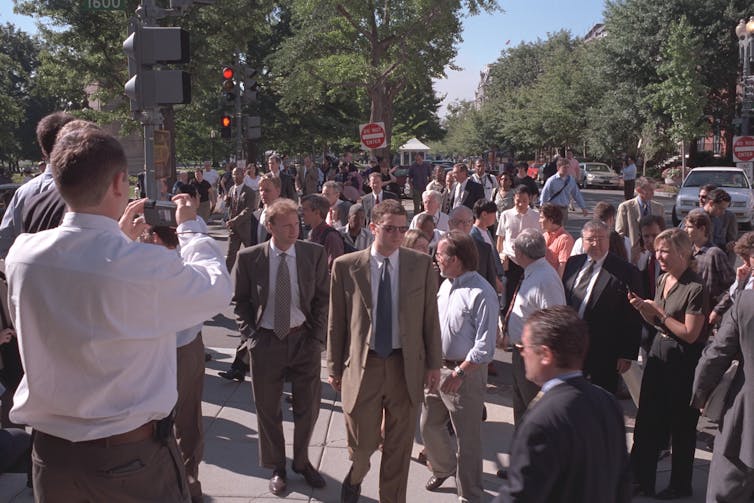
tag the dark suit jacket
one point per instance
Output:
(570, 447)
(252, 286)
(43, 211)
(614, 326)
(240, 214)
(350, 321)
(477, 235)
(735, 338)
(472, 193)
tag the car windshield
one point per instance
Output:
(597, 167)
(723, 179)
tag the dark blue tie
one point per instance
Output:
(383, 341)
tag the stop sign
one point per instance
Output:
(372, 135)
(743, 148)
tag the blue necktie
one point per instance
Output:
(383, 340)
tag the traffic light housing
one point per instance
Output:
(229, 84)
(147, 46)
(226, 124)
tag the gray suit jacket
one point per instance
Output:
(240, 212)
(252, 287)
(368, 202)
(735, 338)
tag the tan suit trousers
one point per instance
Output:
(383, 390)
(462, 456)
(189, 429)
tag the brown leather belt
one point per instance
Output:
(143, 432)
(451, 364)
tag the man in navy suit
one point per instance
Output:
(596, 286)
(571, 444)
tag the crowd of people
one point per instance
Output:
(409, 312)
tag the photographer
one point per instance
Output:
(100, 392)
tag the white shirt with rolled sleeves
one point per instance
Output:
(96, 316)
(469, 310)
(541, 287)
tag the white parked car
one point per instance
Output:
(732, 180)
(597, 174)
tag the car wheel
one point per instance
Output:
(674, 217)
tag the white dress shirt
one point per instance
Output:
(512, 223)
(297, 315)
(469, 310)
(442, 221)
(97, 315)
(540, 288)
(376, 263)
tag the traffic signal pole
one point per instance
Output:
(238, 113)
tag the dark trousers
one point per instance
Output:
(512, 276)
(628, 189)
(234, 244)
(15, 451)
(295, 358)
(189, 428)
(664, 412)
(524, 390)
(146, 471)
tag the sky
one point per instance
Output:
(484, 36)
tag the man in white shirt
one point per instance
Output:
(100, 392)
(432, 201)
(486, 180)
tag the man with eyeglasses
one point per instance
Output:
(383, 347)
(572, 421)
(468, 308)
(596, 286)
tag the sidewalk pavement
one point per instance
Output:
(230, 472)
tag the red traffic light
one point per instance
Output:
(228, 73)
(225, 121)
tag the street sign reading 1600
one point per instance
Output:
(103, 4)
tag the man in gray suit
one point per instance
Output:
(281, 306)
(731, 474)
(240, 211)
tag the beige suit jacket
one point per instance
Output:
(350, 321)
(306, 181)
(629, 214)
(252, 286)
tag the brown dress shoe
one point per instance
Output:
(277, 482)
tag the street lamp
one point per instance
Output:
(745, 34)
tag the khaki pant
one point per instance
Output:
(189, 429)
(383, 391)
(462, 456)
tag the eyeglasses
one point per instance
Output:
(521, 347)
(393, 228)
(594, 239)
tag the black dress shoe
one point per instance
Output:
(434, 482)
(312, 476)
(349, 493)
(502, 473)
(671, 493)
(233, 373)
(277, 482)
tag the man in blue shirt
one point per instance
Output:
(629, 178)
(559, 190)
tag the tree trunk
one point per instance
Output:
(382, 111)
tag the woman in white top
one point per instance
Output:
(251, 180)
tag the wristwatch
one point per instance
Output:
(459, 371)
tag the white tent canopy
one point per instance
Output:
(409, 149)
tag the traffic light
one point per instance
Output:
(229, 85)
(225, 127)
(250, 85)
(146, 47)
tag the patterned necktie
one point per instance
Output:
(283, 299)
(579, 289)
(645, 210)
(383, 341)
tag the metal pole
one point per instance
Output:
(237, 112)
(746, 102)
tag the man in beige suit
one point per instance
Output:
(383, 346)
(281, 305)
(307, 177)
(631, 211)
(240, 210)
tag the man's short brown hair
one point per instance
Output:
(48, 129)
(83, 164)
(317, 203)
(560, 329)
(280, 207)
(274, 180)
(387, 207)
(462, 245)
(552, 213)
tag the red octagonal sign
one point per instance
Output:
(743, 148)
(372, 135)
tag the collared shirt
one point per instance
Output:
(559, 245)
(734, 288)
(595, 272)
(105, 363)
(469, 310)
(458, 189)
(211, 176)
(362, 241)
(644, 206)
(297, 315)
(560, 380)
(261, 227)
(441, 221)
(512, 223)
(541, 287)
(10, 227)
(376, 263)
(629, 172)
(571, 190)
